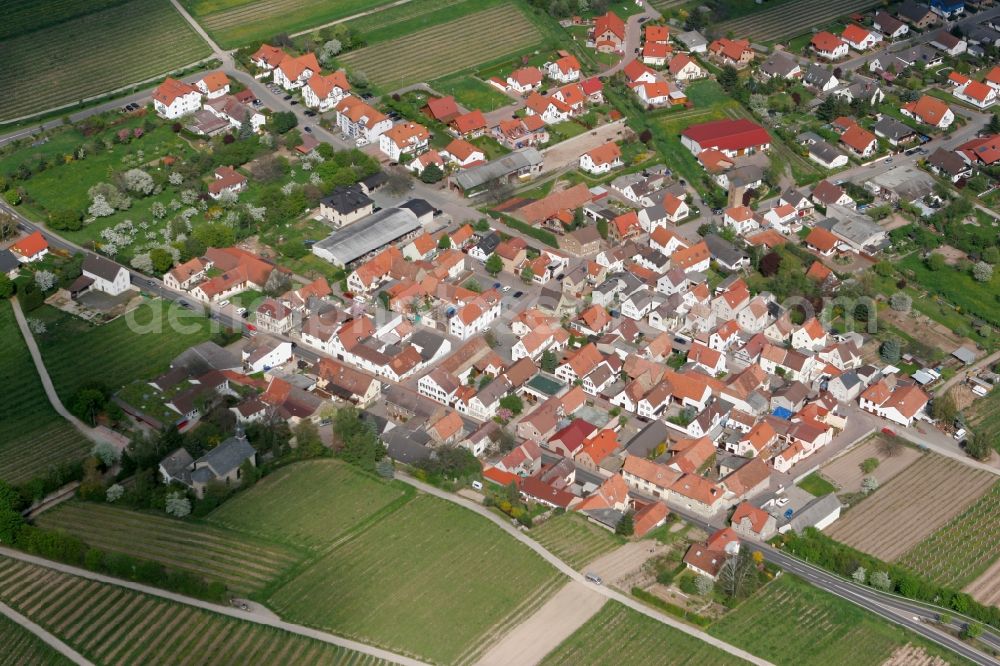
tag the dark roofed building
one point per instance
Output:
(221, 464)
(346, 204)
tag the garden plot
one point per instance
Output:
(243, 564)
(911, 507)
(466, 42)
(92, 54)
(845, 472)
(963, 549)
(112, 625)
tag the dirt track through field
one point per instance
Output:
(542, 632)
(911, 507)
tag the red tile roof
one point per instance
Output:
(728, 134)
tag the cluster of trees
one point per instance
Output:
(355, 440)
(447, 464)
(93, 399)
(819, 549)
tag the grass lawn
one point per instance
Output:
(564, 130)
(309, 504)
(32, 435)
(792, 622)
(234, 23)
(244, 564)
(977, 298)
(619, 635)
(460, 44)
(574, 539)
(706, 93)
(471, 93)
(963, 549)
(25, 649)
(108, 624)
(431, 579)
(91, 52)
(139, 345)
(814, 484)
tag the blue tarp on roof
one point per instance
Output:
(782, 413)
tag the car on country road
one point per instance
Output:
(594, 578)
(889, 431)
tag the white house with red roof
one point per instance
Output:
(292, 73)
(860, 39)
(564, 70)
(525, 80)
(30, 248)
(657, 93)
(828, 46)
(741, 219)
(899, 404)
(360, 121)
(683, 68)
(227, 179)
(173, 99)
(322, 92)
(405, 138)
(929, 111)
(733, 138)
(608, 33)
(475, 316)
(213, 84)
(977, 93)
(463, 154)
(602, 159)
(267, 57)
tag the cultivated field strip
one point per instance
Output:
(114, 626)
(399, 14)
(23, 648)
(791, 19)
(310, 504)
(964, 548)
(911, 507)
(574, 540)
(22, 16)
(428, 579)
(637, 640)
(243, 564)
(93, 54)
(260, 10)
(32, 453)
(789, 621)
(445, 48)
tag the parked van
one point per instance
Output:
(594, 578)
(960, 433)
